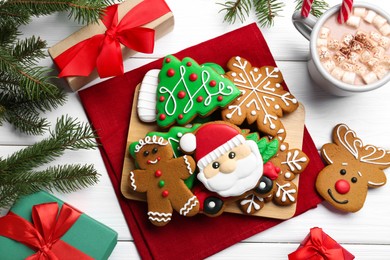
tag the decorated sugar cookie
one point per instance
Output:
(263, 99)
(353, 168)
(187, 89)
(276, 184)
(229, 165)
(161, 176)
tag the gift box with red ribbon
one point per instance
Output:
(319, 246)
(99, 49)
(40, 226)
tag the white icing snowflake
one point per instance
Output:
(263, 98)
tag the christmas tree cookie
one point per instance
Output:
(187, 89)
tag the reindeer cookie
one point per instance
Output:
(353, 168)
(161, 177)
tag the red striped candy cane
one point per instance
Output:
(306, 7)
(345, 11)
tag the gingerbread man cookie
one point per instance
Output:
(263, 98)
(353, 168)
(161, 176)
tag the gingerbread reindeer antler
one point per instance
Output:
(353, 167)
(366, 154)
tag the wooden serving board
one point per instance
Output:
(293, 123)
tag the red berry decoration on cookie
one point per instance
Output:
(353, 168)
(188, 89)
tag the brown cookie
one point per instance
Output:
(162, 177)
(353, 168)
(263, 98)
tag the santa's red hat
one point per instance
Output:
(210, 142)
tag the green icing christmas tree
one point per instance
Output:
(187, 89)
(267, 149)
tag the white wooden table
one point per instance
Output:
(366, 233)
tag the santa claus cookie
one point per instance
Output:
(187, 89)
(161, 176)
(353, 168)
(228, 164)
(263, 98)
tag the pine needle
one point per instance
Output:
(236, 9)
(267, 10)
(317, 9)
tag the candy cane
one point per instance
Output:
(345, 11)
(306, 7)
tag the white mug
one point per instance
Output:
(309, 27)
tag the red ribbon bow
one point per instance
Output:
(103, 51)
(44, 235)
(319, 247)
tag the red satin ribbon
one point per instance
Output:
(103, 51)
(319, 247)
(44, 235)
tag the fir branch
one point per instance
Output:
(236, 9)
(29, 50)
(68, 134)
(80, 10)
(26, 121)
(317, 9)
(8, 34)
(267, 10)
(63, 178)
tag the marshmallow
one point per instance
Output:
(386, 61)
(380, 71)
(372, 62)
(347, 39)
(339, 57)
(360, 69)
(322, 42)
(378, 21)
(329, 65)
(353, 21)
(384, 42)
(349, 77)
(378, 52)
(375, 36)
(324, 53)
(385, 29)
(324, 32)
(347, 66)
(369, 16)
(365, 56)
(353, 57)
(334, 44)
(337, 73)
(370, 78)
(359, 11)
(356, 46)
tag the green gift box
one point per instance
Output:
(92, 238)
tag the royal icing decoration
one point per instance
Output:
(146, 106)
(187, 89)
(263, 99)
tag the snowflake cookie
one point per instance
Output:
(263, 98)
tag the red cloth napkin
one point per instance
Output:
(108, 106)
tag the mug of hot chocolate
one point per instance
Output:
(351, 57)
